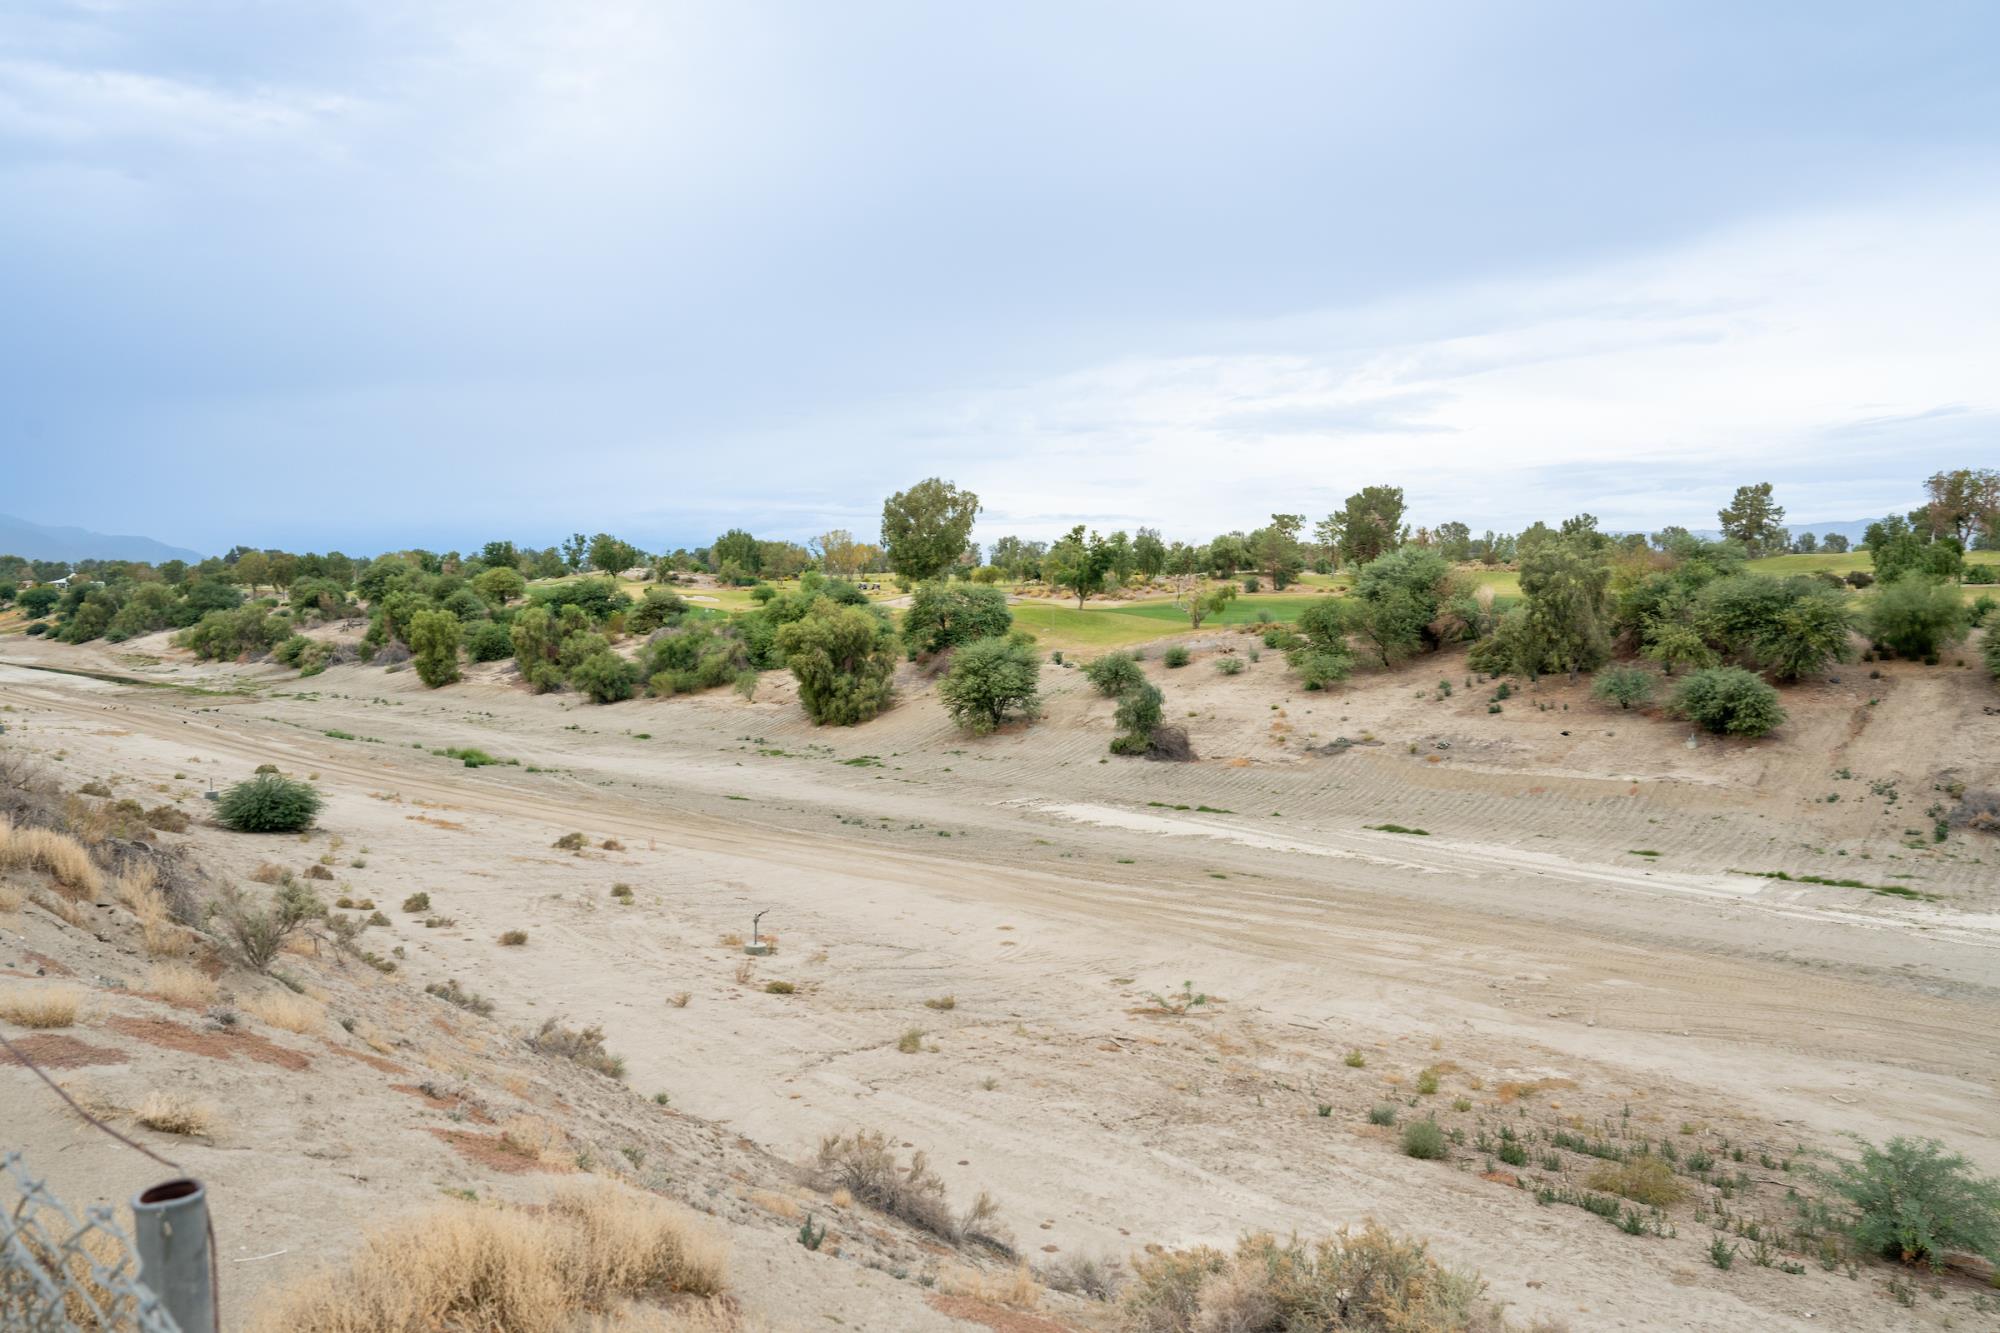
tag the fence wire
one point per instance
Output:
(60, 1273)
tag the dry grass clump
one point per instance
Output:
(87, 1302)
(282, 1009)
(176, 1113)
(1090, 1276)
(452, 993)
(584, 1046)
(1016, 1287)
(60, 856)
(587, 1252)
(942, 1002)
(62, 908)
(513, 939)
(177, 983)
(537, 1137)
(1369, 1280)
(1642, 1179)
(11, 900)
(41, 1006)
(864, 1164)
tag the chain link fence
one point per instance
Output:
(60, 1273)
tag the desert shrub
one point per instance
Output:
(1642, 1179)
(1113, 674)
(513, 939)
(1916, 1202)
(570, 842)
(1089, 1276)
(570, 1263)
(988, 679)
(605, 677)
(1176, 655)
(417, 902)
(46, 1006)
(1369, 1280)
(1990, 650)
(64, 859)
(306, 656)
(843, 658)
(433, 636)
(1624, 686)
(865, 1165)
(1229, 666)
(1382, 1113)
(487, 641)
(1321, 655)
(268, 803)
(946, 615)
(167, 819)
(1729, 700)
(658, 607)
(256, 934)
(1423, 1139)
(1915, 617)
(452, 993)
(583, 1046)
(701, 655)
(282, 1009)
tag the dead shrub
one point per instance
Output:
(538, 1138)
(1092, 1277)
(583, 1046)
(318, 871)
(452, 993)
(1368, 1280)
(41, 1006)
(864, 1164)
(177, 983)
(257, 935)
(167, 819)
(176, 1113)
(513, 939)
(585, 1253)
(270, 873)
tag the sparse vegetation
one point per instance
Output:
(513, 939)
(866, 1166)
(176, 1113)
(583, 1046)
(452, 993)
(50, 1005)
(1915, 1201)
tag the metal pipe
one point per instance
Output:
(170, 1228)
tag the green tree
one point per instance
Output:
(1754, 519)
(434, 637)
(1834, 543)
(1369, 524)
(925, 529)
(1323, 658)
(1139, 712)
(1898, 549)
(538, 648)
(844, 658)
(1915, 617)
(1454, 541)
(609, 555)
(499, 585)
(1148, 552)
(988, 679)
(944, 615)
(1078, 565)
(1212, 602)
(1729, 700)
(1808, 634)
(604, 675)
(1276, 549)
(1963, 503)
(39, 600)
(1397, 598)
(1916, 1202)
(1565, 590)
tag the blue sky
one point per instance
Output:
(370, 275)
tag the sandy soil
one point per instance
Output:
(1521, 948)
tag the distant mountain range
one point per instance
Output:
(33, 541)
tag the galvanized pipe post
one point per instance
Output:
(170, 1228)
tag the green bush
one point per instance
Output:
(843, 658)
(433, 637)
(1624, 686)
(1140, 710)
(1423, 1139)
(1175, 656)
(988, 679)
(226, 635)
(487, 640)
(1114, 673)
(1914, 1201)
(605, 676)
(945, 615)
(1229, 666)
(1915, 617)
(1991, 650)
(268, 803)
(1729, 700)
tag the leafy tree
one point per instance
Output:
(840, 554)
(1078, 565)
(500, 584)
(782, 560)
(1729, 700)
(1963, 503)
(39, 600)
(1805, 543)
(1113, 673)
(1808, 634)
(1140, 710)
(1323, 658)
(1454, 541)
(434, 636)
(488, 641)
(1915, 1202)
(737, 547)
(844, 658)
(1397, 597)
(500, 555)
(604, 675)
(597, 599)
(1915, 617)
(1369, 524)
(1210, 603)
(1276, 549)
(990, 678)
(253, 568)
(1565, 590)
(1118, 558)
(1754, 519)
(1834, 542)
(1897, 549)
(944, 615)
(1624, 686)
(1149, 553)
(1227, 554)
(537, 638)
(574, 548)
(925, 528)
(225, 635)
(268, 803)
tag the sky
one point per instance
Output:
(368, 275)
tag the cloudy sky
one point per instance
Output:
(429, 272)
